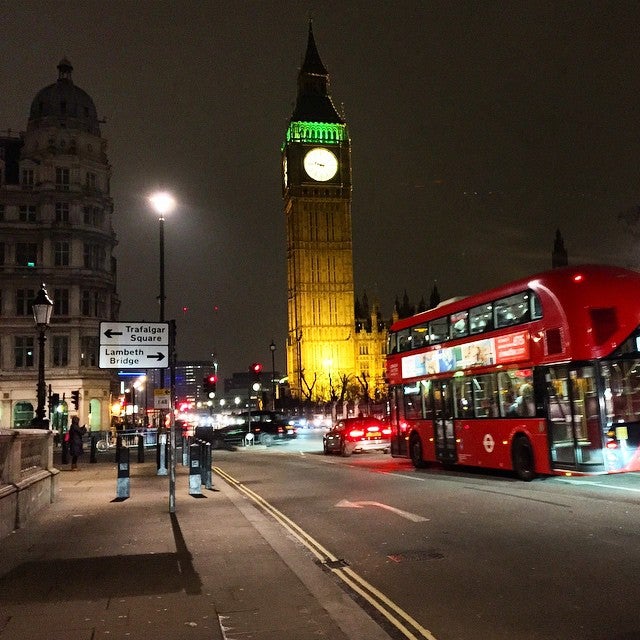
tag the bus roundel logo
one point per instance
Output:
(488, 442)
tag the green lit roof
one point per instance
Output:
(317, 133)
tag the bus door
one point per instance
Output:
(445, 439)
(399, 445)
(575, 432)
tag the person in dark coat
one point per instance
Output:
(75, 441)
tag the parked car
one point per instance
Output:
(267, 427)
(357, 435)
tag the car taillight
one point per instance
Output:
(280, 429)
(387, 431)
(373, 428)
(356, 433)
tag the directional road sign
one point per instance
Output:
(130, 345)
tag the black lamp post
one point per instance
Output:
(162, 203)
(272, 346)
(42, 308)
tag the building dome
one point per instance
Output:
(62, 104)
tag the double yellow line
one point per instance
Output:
(401, 620)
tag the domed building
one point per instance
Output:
(56, 228)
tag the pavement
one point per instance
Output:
(93, 566)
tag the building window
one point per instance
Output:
(93, 304)
(61, 254)
(27, 177)
(91, 180)
(62, 212)
(23, 351)
(62, 178)
(26, 254)
(24, 298)
(89, 351)
(61, 302)
(27, 213)
(1, 213)
(93, 216)
(60, 351)
(94, 256)
(2, 252)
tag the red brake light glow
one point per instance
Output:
(356, 433)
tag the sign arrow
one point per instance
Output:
(367, 503)
(110, 333)
(159, 356)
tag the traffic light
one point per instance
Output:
(256, 368)
(209, 385)
(75, 398)
(55, 400)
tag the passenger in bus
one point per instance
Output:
(524, 405)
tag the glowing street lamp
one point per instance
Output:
(162, 202)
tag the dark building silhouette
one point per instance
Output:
(559, 258)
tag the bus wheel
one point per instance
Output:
(415, 451)
(522, 458)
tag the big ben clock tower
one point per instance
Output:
(316, 187)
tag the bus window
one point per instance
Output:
(481, 318)
(420, 336)
(459, 324)
(622, 391)
(485, 396)
(438, 330)
(506, 391)
(427, 399)
(512, 310)
(462, 398)
(412, 401)
(404, 339)
(393, 342)
(536, 306)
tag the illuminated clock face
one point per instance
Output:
(320, 164)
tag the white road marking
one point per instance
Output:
(368, 503)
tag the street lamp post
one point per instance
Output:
(272, 346)
(162, 203)
(42, 308)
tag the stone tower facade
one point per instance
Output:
(323, 344)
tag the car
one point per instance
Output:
(351, 435)
(267, 427)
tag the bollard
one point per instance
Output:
(140, 448)
(195, 479)
(93, 456)
(122, 487)
(206, 465)
(161, 455)
(185, 451)
(65, 450)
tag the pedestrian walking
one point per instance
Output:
(76, 432)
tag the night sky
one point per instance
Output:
(477, 129)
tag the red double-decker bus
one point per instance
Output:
(539, 376)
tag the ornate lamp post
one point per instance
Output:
(42, 309)
(272, 346)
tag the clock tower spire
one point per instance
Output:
(316, 189)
